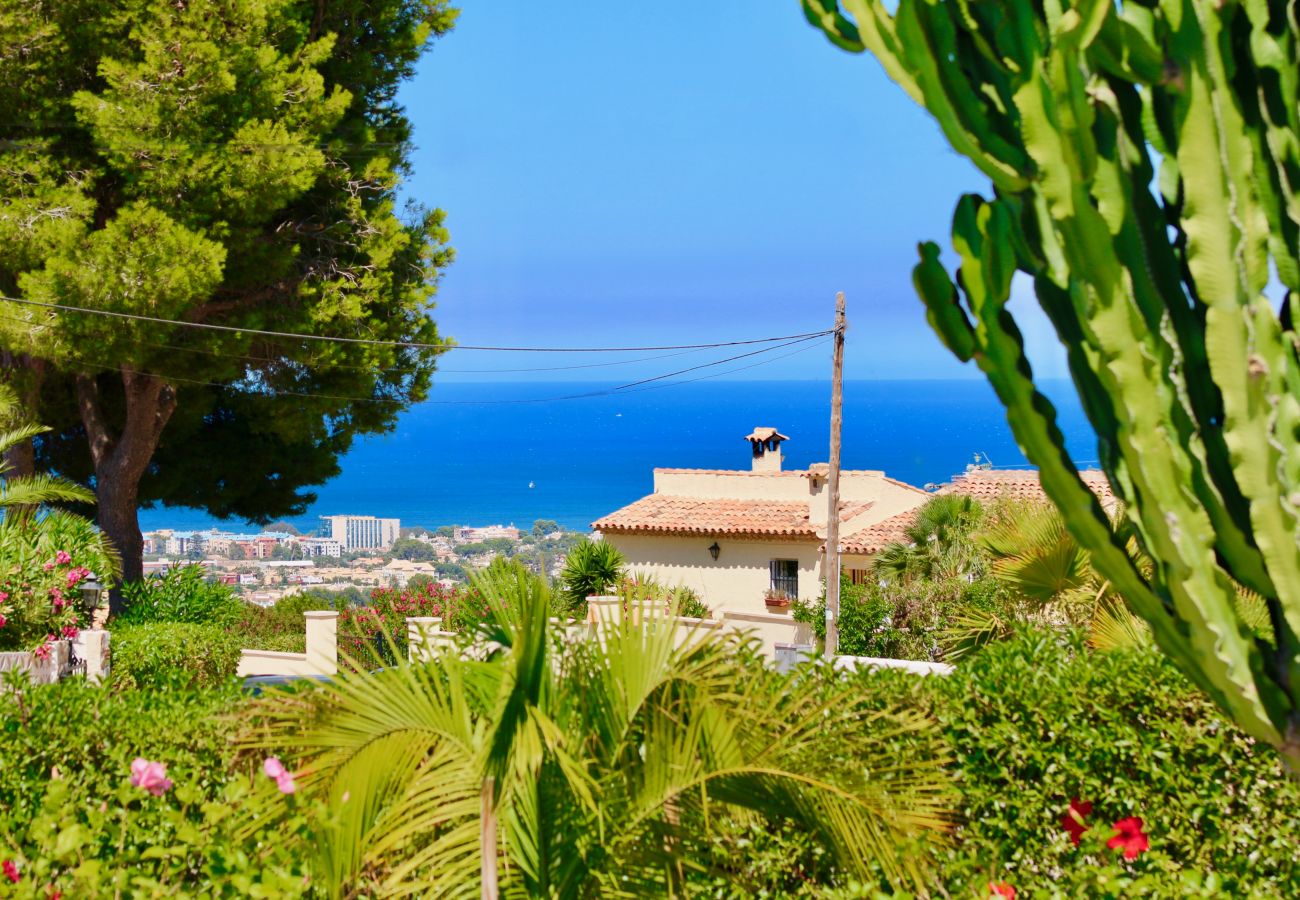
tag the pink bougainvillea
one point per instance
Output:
(150, 776)
(283, 778)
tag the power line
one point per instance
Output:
(335, 365)
(407, 344)
(275, 392)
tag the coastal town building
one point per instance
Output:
(470, 535)
(740, 538)
(320, 546)
(363, 532)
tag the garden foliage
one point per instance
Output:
(162, 656)
(71, 822)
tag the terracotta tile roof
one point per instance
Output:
(1020, 484)
(875, 538)
(668, 514)
(982, 484)
(815, 469)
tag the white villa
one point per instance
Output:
(735, 535)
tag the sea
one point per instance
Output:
(487, 453)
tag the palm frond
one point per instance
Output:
(42, 490)
(608, 758)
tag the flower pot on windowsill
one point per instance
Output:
(777, 604)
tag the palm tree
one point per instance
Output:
(937, 543)
(590, 569)
(572, 768)
(21, 496)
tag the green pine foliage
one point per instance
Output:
(230, 163)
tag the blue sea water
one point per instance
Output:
(464, 459)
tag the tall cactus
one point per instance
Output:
(1145, 167)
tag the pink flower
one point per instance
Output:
(70, 633)
(283, 777)
(3, 620)
(43, 651)
(63, 557)
(4, 595)
(75, 575)
(1129, 838)
(150, 776)
(11, 870)
(48, 566)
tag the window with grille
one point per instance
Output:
(785, 577)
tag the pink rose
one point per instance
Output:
(283, 777)
(63, 557)
(150, 776)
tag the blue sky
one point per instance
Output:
(639, 174)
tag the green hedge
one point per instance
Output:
(173, 655)
(1033, 722)
(71, 821)
(1036, 721)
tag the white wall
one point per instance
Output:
(736, 581)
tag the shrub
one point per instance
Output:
(173, 655)
(906, 620)
(184, 594)
(71, 822)
(375, 634)
(590, 569)
(1038, 720)
(40, 593)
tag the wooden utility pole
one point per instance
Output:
(833, 485)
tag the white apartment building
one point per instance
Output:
(320, 546)
(363, 532)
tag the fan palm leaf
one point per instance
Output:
(601, 762)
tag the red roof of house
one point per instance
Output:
(1020, 484)
(669, 514)
(982, 484)
(880, 535)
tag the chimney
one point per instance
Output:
(766, 444)
(818, 476)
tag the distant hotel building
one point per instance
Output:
(363, 532)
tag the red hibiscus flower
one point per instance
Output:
(1129, 838)
(1002, 889)
(1072, 821)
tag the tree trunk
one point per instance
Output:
(121, 460)
(25, 377)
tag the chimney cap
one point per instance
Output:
(764, 434)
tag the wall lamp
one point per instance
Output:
(714, 550)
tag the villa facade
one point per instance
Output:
(739, 536)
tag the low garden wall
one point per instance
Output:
(321, 656)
